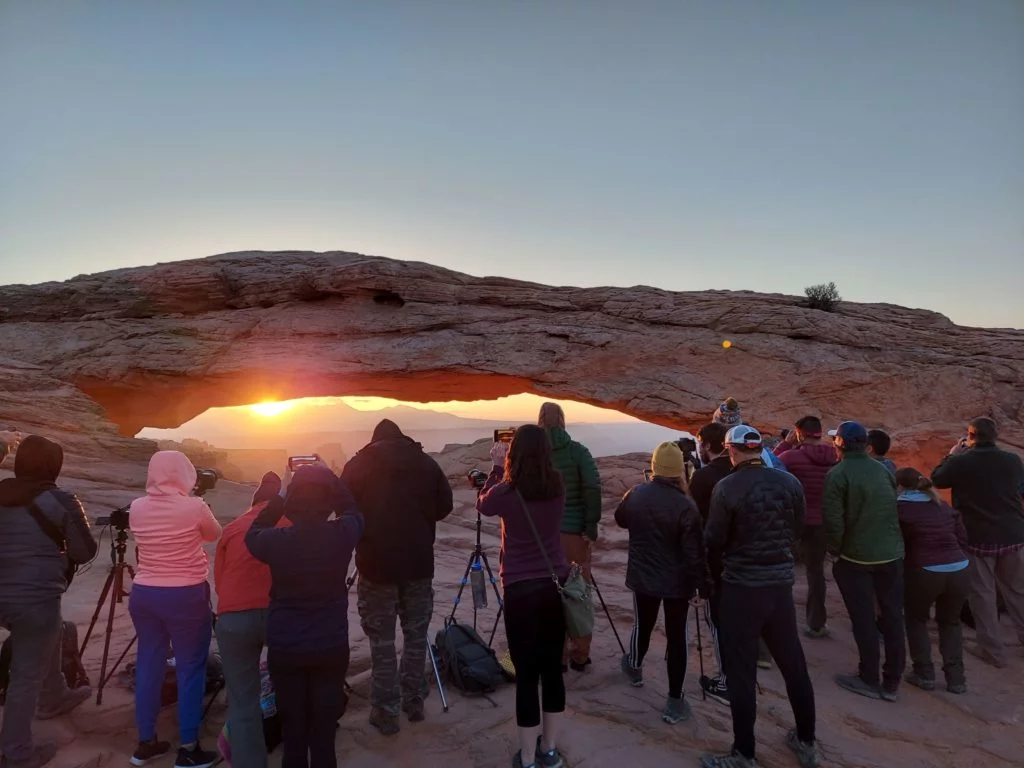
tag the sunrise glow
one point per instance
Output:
(270, 409)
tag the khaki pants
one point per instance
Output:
(1007, 573)
(576, 547)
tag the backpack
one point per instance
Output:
(466, 661)
(70, 660)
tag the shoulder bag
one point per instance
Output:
(575, 593)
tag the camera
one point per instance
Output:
(477, 478)
(117, 519)
(206, 479)
(504, 435)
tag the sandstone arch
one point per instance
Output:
(94, 359)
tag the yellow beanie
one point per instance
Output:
(667, 461)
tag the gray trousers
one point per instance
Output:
(1007, 573)
(241, 636)
(35, 671)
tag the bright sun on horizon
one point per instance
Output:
(271, 409)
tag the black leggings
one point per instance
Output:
(646, 609)
(311, 699)
(535, 628)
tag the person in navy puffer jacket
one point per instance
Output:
(307, 626)
(809, 459)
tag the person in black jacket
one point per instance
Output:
(34, 573)
(666, 565)
(756, 518)
(402, 493)
(307, 624)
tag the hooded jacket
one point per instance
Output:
(859, 509)
(32, 567)
(582, 483)
(170, 525)
(933, 533)
(809, 463)
(402, 493)
(309, 563)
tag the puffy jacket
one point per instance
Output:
(809, 463)
(402, 493)
(859, 509)
(756, 515)
(666, 544)
(933, 533)
(582, 483)
(32, 568)
(987, 484)
(703, 483)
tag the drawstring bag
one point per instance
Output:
(577, 604)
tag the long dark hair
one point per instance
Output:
(528, 465)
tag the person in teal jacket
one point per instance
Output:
(582, 509)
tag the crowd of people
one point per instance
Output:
(723, 540)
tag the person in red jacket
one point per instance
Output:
(809, 459)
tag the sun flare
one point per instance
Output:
(271, 409)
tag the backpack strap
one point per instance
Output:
(46, 525)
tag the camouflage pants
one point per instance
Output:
(412, 602)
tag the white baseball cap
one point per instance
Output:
(744, 436)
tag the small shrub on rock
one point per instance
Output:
(824, 296)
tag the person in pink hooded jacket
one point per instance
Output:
(170, 604)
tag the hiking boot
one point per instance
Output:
(806, 754)
(958, 688)
(548, 759)
(732, 760)
(715, 688)
(580, 666)
(384, 721)
(414, 711)
(71, 699)
(635, 675)
(817, 634)
(195, 757)
(149, 750)
(888, 692)
(922, 682)
(856, 684)
(676, 711)
(41, 755)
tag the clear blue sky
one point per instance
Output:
(688, 145)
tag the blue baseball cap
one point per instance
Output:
(851, 434)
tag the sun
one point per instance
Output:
(271, 409)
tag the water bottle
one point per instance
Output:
(478, 585)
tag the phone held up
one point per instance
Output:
(294, 462)
(504, 435)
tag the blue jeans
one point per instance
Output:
(240, 638)
(165, 618)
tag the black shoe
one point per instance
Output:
(414, 710)
(715, 688)
(580, 666)
(196, 757)
(149, 750)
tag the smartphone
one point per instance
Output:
(294, 462)
(504, 435)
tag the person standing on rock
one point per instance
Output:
(863, 529)
(582, 510)
(809, 460)
(34, 574)
(755, 520)
(403, 493)
(987, 484)
(666, 566)
(9, 440)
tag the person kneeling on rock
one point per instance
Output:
(666, 565)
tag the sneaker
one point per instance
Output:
(195, 757)
(922, 682)
(635, 675)
(41, 755)
(806, 754)
(957, 688)
(888, 693)
(384, 722)
(72, 698)
(764, 659)
(732, 760)
(149, 750)
(414, 711)
(580, 666)
(817, 634)
(549, 759)
(856, 684)
(676, 711)
(715, 688)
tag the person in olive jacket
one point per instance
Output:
(862, 527)
(582, 509)
(666, 565)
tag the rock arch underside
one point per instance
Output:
(94, 359)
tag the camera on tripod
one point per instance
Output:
(119, 519)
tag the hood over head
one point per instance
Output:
(386, 430)
(270, 486)
(312, 494)
(820, 453)
(37, 465)
(170, 474)
(558, 436)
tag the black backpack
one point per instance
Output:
(70, 660)
(465, 661)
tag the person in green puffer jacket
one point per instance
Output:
(862, 527)
(582, 509)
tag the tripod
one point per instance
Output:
(114, 587)
(478, 556)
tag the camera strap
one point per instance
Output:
(48, 526)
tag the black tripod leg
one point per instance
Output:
(117, 584)
(99, 607)
(607, 613)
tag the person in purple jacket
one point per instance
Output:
(524, 481)
(936, 574)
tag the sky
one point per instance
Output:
(691, 145)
